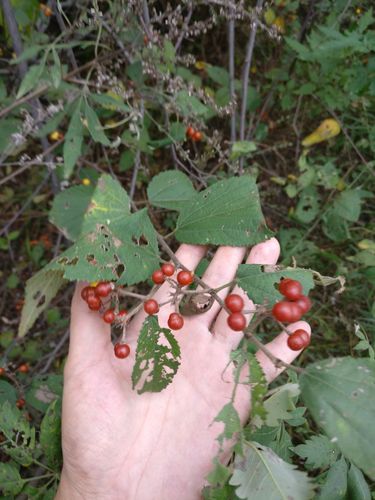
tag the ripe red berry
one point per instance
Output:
(2, 371)
(298, 340)
(234, 302)
(236, 321)
(122, 351)
(103, 289)
(286, 312)
(121, 314)
(151, 306)
(20, 403)
(175, 321)
(185, 278)
(304, 303)
(197, 136)
(168, 269)
(109, 316)
(24, 368)
(291, 289)
(94, 303)
(190, 132)
(87, 292)
(158, 277)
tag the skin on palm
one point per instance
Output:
(118, 444)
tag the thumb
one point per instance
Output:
(90, 336)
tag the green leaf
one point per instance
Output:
(190, 105)
(336, 483)
(262, 475)
(280, 403)
(31, 79)
(258, 390)
(318, 451)
(219, 474)
(7, 392)
(79, 209)
(40, 290)
(20, 436)
(357, 487)
(126, 160)
(308, 205)
(172, 190)
(218, 75)
(109, 101)
(334, 226)
(10, 480)
(242, 148)
(261, 282)
(94, 126)
(50, 435)
(73, 141)
(43, 391)
(348, 204)
(226, 213)
(231, 420)
(56, 71)
(157, 357)
(339, 393)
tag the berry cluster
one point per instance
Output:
(292, 310)
(236, 320)
(193, 134)
(94, 295)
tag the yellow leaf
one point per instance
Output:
(327, 129)
(200, 65)
(269, 16)
(279, 23)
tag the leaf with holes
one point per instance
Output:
(261, 475)
(226, 213)
(157, 357)
(261, 282)
(231, 420)
(339, 394)
(40, 290)
(79, 209)
(172, 190)
(258, 391)
(20, 436)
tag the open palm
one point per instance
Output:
(118, 444)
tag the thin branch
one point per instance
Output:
(184, 27)
(231, 44)
(62, 26)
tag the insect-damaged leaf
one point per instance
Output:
(157, 357)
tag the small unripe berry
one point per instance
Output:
(122, 351)
(158, 277)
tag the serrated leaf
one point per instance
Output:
(357, 487)
(226, 213)
(171, 189)
(7, 392)
(258, 391)
(94, 126)
(260, 282)
(242, 148)
(127, 253)
(336, 485)
(20, 436)
(73, 141)
(50, 435)
(339, 394)
(318, 451)
(219, 474)
(40, 290)
(190, 105)
(157, 357)
(262, 475)
(10, 480)
(79, 209)
(280, 403)
(231, 420)
(31, 79)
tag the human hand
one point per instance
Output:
(118, 444)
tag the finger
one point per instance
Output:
(279, 348)
(190, 256)
(89, 334)
(266, 252)
(221, 270)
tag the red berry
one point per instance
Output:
(20, 403)
(109, 316)
(185, 278)
(24, 368)
(168, 269)
(304, 303)
(190, 132)
(87, 292)
(291, 289)
(175, 321)
(94, 303)
(2, 371)
(234, 303)
(103, 289)
(122, 351)
(121, 314)
(236, 321)
(197, 136)
(151, 306)
(158, 277)
(286, 312)
(298, 340)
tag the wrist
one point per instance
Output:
(78, 490)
